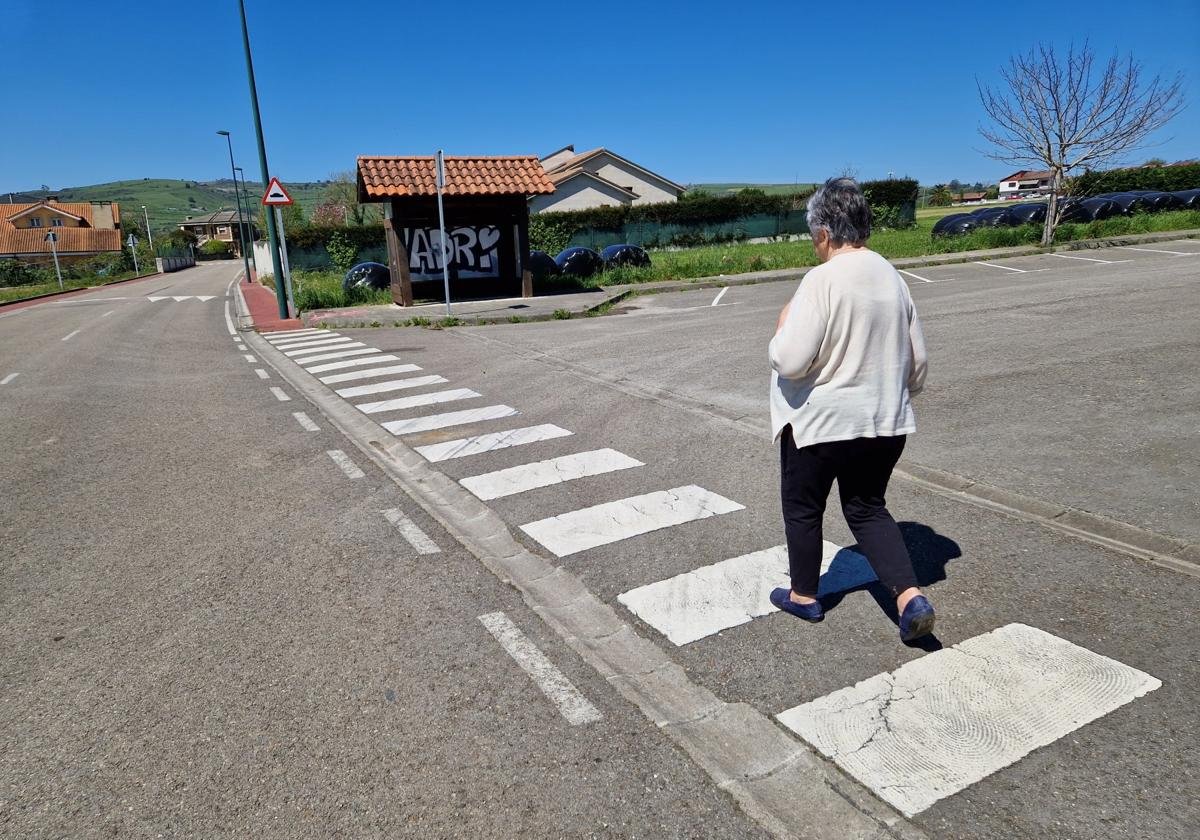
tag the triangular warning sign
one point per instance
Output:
(276, 194)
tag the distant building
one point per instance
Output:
(600, 178)
(82, 230)
(221, 225)
(972, 198)
(1024, 183)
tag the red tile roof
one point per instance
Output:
(398, 177)
(71, 240)
(82, 210)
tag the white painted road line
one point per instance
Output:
(579, 530)
(571, 704)
(918, 276)
(305, 422)
(519, 479)
(408, 529)
(305, 340)
(341, 354)
(280, 394)
(720, 295)
(283, 334)
(316, 342)
(490, 442)
(939, 724)
(1161, 251)
(71, 335)
(1089, 259)
(351, 363)
(332, 344)
(241, 348)
(1008, 267)
(699, 603)
(390, 385)
(9, 378)
(229, 321)
(250, 358)
(343, 460)
(451, 418)
(369, 372)
(109, 312)
(399, 403)
(262, 374)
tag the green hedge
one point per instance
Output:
(358, 236)
(1163, 178)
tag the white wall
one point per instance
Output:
(578, 194)
(649, 190)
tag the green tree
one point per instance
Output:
(940, 196)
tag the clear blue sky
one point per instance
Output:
(698, 91)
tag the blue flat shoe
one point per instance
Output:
(782, 598)
(917, 620)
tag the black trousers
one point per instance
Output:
(862, 468)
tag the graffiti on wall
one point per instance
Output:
(474, 251)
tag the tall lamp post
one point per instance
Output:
(241, 173)
(272, 234)
(146, 216)
(238, 199)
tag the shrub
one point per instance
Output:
(17, 273)
(341, 251)
(1164, 178)
(216, 248)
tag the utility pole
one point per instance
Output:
(146, 216)
(245, 196)
(238, 199)
(272, 235)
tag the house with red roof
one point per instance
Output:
(600, 178)
(82, 230)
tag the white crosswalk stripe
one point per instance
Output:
(390, 385)
(400, 403)
(349, 363)
(324, 347)
(941, 723)
(431, 422)
(707, 600)
(369, 373)
(312, 341)
(578, 530)
(284, 334)
(490, 442)
(340, 354)
(509, 482)
(179, 298)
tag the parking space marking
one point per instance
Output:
(305, 422)
(430, 422)
(109, 312)
(1089, 259)
(408, 529)
(720, 295)
(1010, 268)
(400, 403)
(9, 378)
(326, 346)
(707, 600)
(369, 372)
(923, 279)
(349, 363)
(262, 374)
(477, 444)
(590, 527)
(571, 704)
(938, 724)
(519, 479)
(71, 335)
(280, 394)
(1160, 251)
(341, 354)
(390, 385)
(348, 467)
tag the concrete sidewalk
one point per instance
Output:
(594, 301)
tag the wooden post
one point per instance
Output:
(401, 279)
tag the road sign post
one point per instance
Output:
(52, 238)
(274, 198)
(441, 185)
(132, 242)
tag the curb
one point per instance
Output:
(43, 298)
(767, 771)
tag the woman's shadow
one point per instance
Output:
(849, 572)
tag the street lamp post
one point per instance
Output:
(238, 199)
(272, 235)
(146, 216)
(245, 194)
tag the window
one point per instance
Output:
(222, 229)
(34, 221)
(56, 223)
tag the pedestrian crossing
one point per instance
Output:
(915, 735)
(178, 298)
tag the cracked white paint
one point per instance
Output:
(490, 442)
(579, 530)
(939, 724)
(509, 482)
(399, 403)
(736, 591)
(450, 418)
(390, 385)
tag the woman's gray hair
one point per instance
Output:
(840, 208)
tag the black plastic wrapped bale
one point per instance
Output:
(1130, 203)
(942, 226)
(579, 262)
(1190, 198)
(1162, 201)
(542, 265)
(616, 256)
(1102, 208)
(365, 275)
(993, 217)
(963, 224)
(1027, 214)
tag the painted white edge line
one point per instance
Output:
(262, 374)
(9, 378)
(343, 460)
(1160, 251)
(305, 422)
(71, 335)
(412, 532)
(250, 357)
(918, 276)
(720, 295)
(280, 394)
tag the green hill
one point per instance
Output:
(170, 201)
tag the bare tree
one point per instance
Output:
(1068, 113)
(341, 189)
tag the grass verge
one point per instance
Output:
(10, 294)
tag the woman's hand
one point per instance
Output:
(783, 317)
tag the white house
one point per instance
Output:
(600, 178)
(1024, 183)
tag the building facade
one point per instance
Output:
(82, 230)
(222, 225)
(1024, 184)
(600, 178)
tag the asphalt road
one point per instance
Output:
(1061, 378)
(208, 628)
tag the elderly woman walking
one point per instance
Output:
(847, 355)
